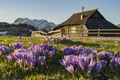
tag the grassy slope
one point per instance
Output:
(52, 69)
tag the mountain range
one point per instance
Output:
(40, 25)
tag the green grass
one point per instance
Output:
(52, 68)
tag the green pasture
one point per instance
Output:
(52, 69)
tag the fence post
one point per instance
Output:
(67, 32)
(33, 34)
(61, 32)
(87, 32)
(98, 32)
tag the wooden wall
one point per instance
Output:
(74, 30)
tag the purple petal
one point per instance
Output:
(70, 69)
(20, 61)
(98, 67)
(81, 65)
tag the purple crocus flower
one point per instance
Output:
(20, 61)
(52, 40)
(5, 49)
(41, 60)
(10, 57)
(115, 54)
(47, 40)
(51, 52)
(80, 48)
(0, 53)
(67, 50)
(81, 65)
(19, 37)
(50, 47)
(3, 43)
(118, 60)
(86, 61)
(64, 38)
(27, 61)
(54, 49)
(18, 45)
(16, 56)
(91, 66)
(43, 48)
(27, 68)
(103, 62)
(65, 63)
(87, 50)
(91, 56)
(70, 69)
(33, 62)
(114, 62)
(30, 43)
(45, 52)
(98, 68)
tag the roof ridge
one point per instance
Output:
(87, 11)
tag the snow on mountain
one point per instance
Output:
(38, 24)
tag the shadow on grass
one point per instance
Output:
(77, 43)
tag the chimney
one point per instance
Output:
(82, 15)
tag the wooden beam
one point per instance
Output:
(54, 31)
(109, 33)
(104, 29)
(61, 32)
(78, 33)
(56, 34)
(39, 32)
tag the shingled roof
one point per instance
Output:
(76, 20)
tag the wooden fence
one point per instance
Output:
(98, 32)
(56, 33)
(59, 33)
(38, 34)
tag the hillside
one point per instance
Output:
(12, 29)
(40, 25)
(24, 26)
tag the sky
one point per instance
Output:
(56, 11)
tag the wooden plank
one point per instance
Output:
(56, 34)
(61, 32)
(39, 32)
(109, 29)
(93, 33)
(54, 31)
(104, 29)
(76, 30)
(109, 33)
(37, 35)
(78, 33)
(67, 31)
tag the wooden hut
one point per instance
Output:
(82, 21)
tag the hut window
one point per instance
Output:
(96, 15)
(73, 29)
